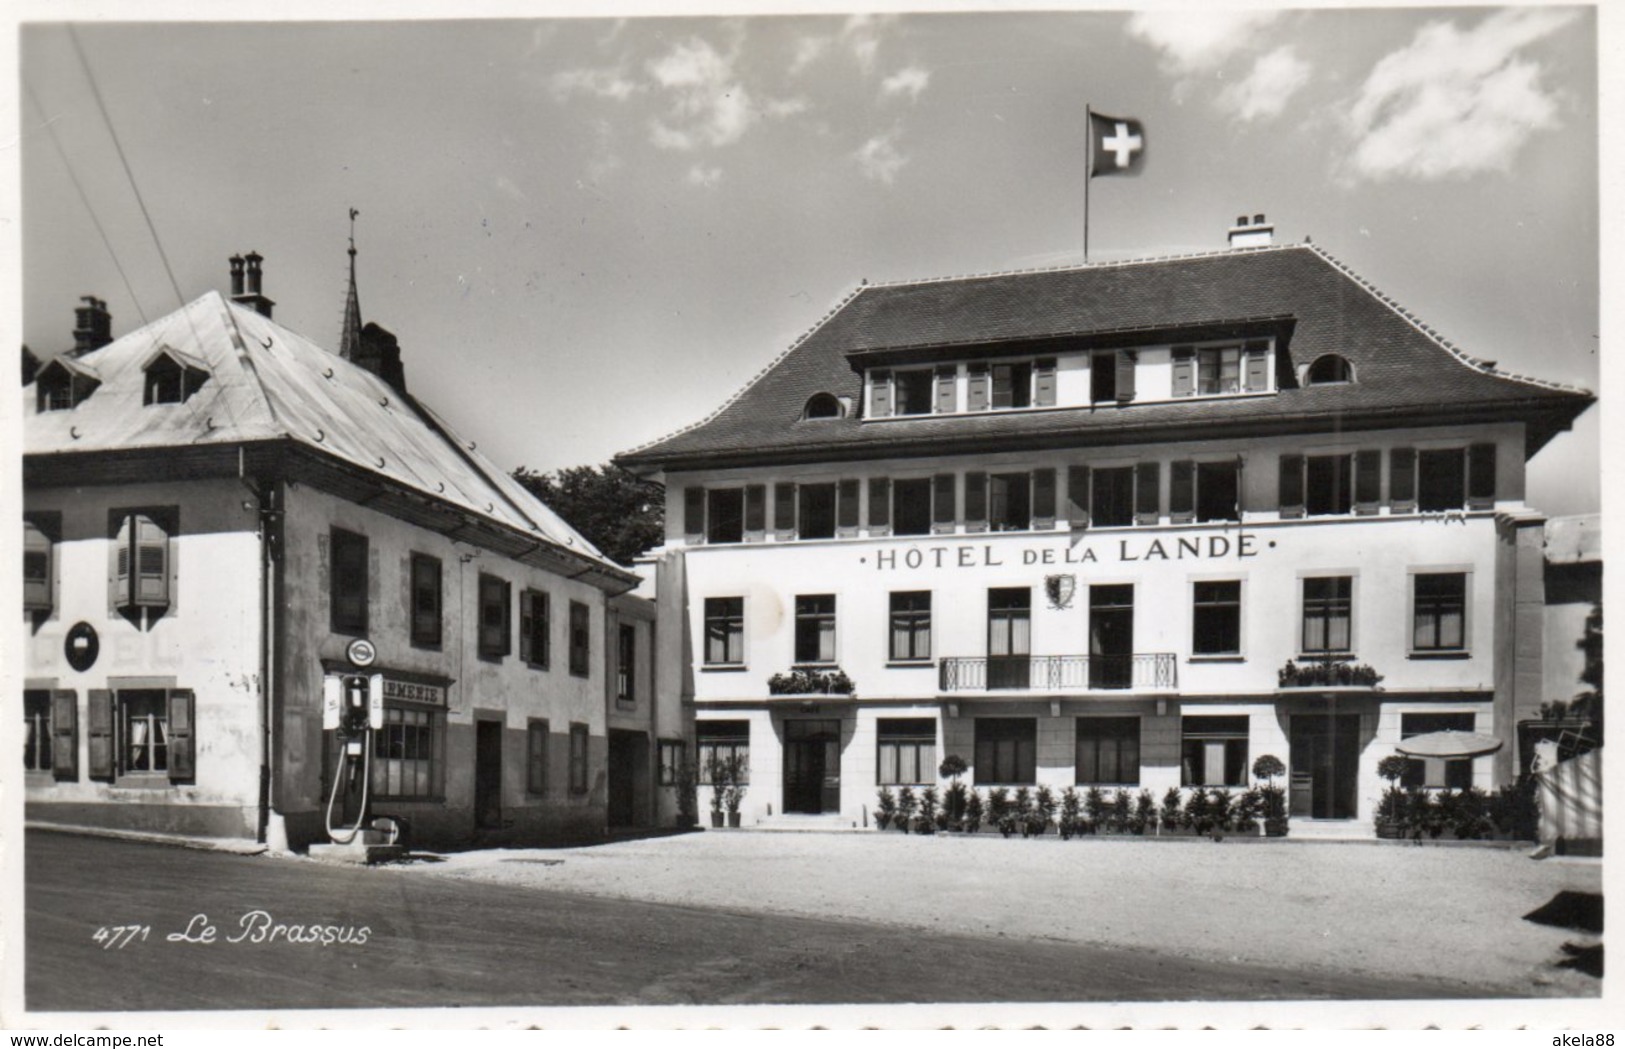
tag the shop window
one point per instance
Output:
(1439, 622)
(1455, 773)
(915, 391)
(626, 656)
(1213, 750)
(580, 640)
(426, 601)
(1328, 616)
(537, 736)
(496, 614)
(580, 771)
(1006, 751)
(906, 751)
(725, 515)
(722, 741)
(536, 628)
(724, 631)
(911, 506)
(406, 753)
(910, 625)
(1108, 751)
(815, 628)
(817, 511)
(1216, 619)
(347, 583)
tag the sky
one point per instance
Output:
(590, 232)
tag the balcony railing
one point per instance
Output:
(1139, 671)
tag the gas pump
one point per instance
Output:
(352, 706)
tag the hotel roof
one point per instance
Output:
(1314, 304)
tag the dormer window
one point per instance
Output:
(1212, 371)
(1329, 368)
(823, 406)
(171, 377)
(62, 384)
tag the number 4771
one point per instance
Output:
(118, 937)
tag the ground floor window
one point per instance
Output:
(537, 734)
(1108, 751)
(906, 751)
(1006, 750)
(671, 761)
(1455, 773)
(1213, 750)
(143, 730)
(579, 771)
(405, 753)
(37, 730)
(722, 740)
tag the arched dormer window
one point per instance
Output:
(1329, 368)
(823, 406)
(62, 384)
(170, 377)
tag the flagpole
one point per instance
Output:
(1088, 173)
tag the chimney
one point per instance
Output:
(93, 325)
(380, 353)
(245, 283)
(1254, 234)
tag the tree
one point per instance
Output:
(1590, 702)
(619, 513)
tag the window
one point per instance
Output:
(143, 730)
(1216, 619)
(142, 570)
(1108, 751)
(1455, 773)
(725, 515)
(1111, 375)
(916, 391)
(815, 628)
(426, 590)
(1328, 484)
(1441, 482)
(626, 656)
(1012, 385)
(536, 628)
(579, 772)
(724, 630)
(61, 385)
(1439, 623)
(348, 584)
(817, 511)
(41, 532)
(1111, 496)
(1009, 637)
(1213, 750)
(911, 506)
(1328, 604)
(722, 741)
(170, 382)
(906, 753)
(823, 406)
(1009, 502)
(404, 753)
(1218, 491)
(671, 762)
(537, 734)
(140, 731)
(1006, 750)
(1328, 368)
(910, 625)
(580, 640)
(1218, 369)
(37, 730)
(495, 616)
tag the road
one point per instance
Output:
(434, 941)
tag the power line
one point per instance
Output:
(84, 199)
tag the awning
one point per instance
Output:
(1449, 743)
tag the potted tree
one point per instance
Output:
(952, 816)
(885, 809)
(687, 801)
(1271, 798)
(734, 792)
(716, 770)
(1391, 809)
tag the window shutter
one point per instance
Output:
(694, 514)
(1077, 496)
(1481, 477)
(1044, 382)
(1182, 492)
(182, 734)
(1147, 500)
(65, 734)
(879, 394)
(976, 502)
(1291, 486)
(755, 512)
(1258, 367)
(120, 589)
(1044, 498)
(1125, 374)
(846, 508)
(784, 510)
(879, 506)
(527, 625)
(99, 729)
(947, 389)
(37, 568)
(942, 504)
(1402, 480)
(151, 563)
(1184, 371)
(1367, 481)
(976, 387)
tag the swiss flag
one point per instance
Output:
(1118, 145)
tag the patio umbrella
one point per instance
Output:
(1449, 743)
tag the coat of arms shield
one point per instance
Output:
(1060, 589)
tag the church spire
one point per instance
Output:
(350, 338)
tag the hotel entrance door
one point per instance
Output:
(1325, 765)
(812, 765)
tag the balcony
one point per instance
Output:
(1134, 672)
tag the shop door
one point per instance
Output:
(1325, 765)
(488, 773)
(812, 766)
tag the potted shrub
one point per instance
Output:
(687, 800)
(1421, 815)
(1244, 816)
(1471, 819)
(1094, 810)
(885, 809)
(734, 794)
(1043, 811)
(717, 771)
(1071, 812)
(1196, 812)
(973, 811)
(1391, 821)
(954, 799)
(926, 823)
(1145, 812)
(1220, 805)
(1121, 812)
(1172, 817)
(998, 807)
(1271, 798)
(907, 805)
(1021, 808)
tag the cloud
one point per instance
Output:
(1453, 103)
(809, 49)
(1197, 41)
(880, 159)
(708, 103)
(606, 82)
(1275, 78)
(861, 34)
(704, 177)
(910, 81)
